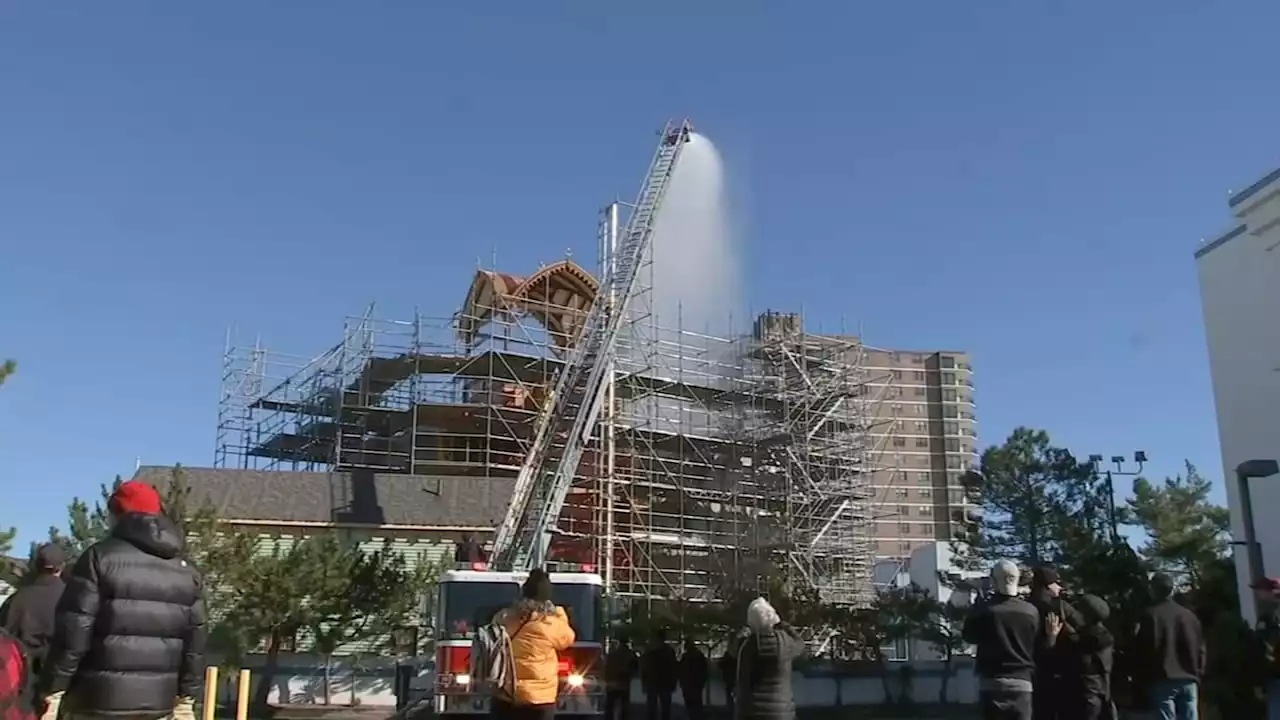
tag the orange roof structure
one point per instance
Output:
(558, 295)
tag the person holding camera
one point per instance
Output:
(1005, 629)
(1057, 639)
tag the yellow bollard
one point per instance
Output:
(210, 693)
(242, 696)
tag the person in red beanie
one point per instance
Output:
(131, 623)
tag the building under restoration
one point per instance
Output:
(715, 460)
(687, 463)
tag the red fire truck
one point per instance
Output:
(470, 596)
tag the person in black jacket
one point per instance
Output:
(619, 667)
(1087, 661)
(1171, 653)
(659, 675)
(28, 614)
(695, 671)
(1006, 630)
(765, 657)
(1052, 658)
(131, 624)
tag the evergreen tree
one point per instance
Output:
(7, 368)
(1037, 505)
(269, 593)
(10, 570)
(1186, 533)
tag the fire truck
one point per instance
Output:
(469, 597)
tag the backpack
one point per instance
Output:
(14, 680)
(492, 667)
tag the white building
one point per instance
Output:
(1240, 291)
(928, 566)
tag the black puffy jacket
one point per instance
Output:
(131, 624)
(764, 675)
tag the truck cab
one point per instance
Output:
(468, 598)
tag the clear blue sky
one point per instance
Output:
(1035, 175)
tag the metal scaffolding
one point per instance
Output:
(715, 461)
(742, 454)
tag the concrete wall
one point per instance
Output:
(1240, 293)
(371, 683)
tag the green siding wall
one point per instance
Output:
(417, 548)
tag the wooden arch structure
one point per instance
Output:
(559, 296)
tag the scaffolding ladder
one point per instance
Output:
(567, 419)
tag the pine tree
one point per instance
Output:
(7, 368)
(1038, 504)
(1187, 534)
(10, 570)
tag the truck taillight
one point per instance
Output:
(453, 660)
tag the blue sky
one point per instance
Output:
(1037, 175)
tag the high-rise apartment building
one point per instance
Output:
(927, 436)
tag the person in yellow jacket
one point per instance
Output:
(539, 632)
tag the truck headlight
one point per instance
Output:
(462, 679)
(575, 680)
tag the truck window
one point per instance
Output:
(469, 605)
(583, 605)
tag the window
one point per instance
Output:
(897, 409)
(951, 428)
(917, 375)
(469, 605)
(954, 463)
(895, 392)
(948, 378)
(922, 442)
(404, 641)
(921, 426)
(899, 442)
(903, 511)
(948, 362)
(904, 547)
(897, 375)
(920, 391)
(953, 478)
(924, 511)
(916, 359)
(953, 445)
(904, 528)
(284, 642)
(897, 424)
(585, 606)
(949, 395)
(902, 493)
(924, 478)
(950, 411)
(926, 493)
(955, 496)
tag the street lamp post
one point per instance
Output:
(1139, 458)
(1244, 471)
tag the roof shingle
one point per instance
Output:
(344, 497)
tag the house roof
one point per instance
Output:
(344, 497)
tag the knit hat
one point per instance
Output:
(537, 586)
(134, 496)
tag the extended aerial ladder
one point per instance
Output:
(568, 416)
